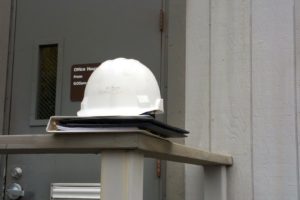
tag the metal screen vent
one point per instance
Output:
(46, 94)
(76, 191)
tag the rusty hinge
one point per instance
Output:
(158, 168)
(162, 20)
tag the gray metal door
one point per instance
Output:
(52, 36)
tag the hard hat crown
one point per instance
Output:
(121, 87)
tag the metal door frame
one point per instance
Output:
(7, 87)
(37, 43)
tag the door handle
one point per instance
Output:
(14, 191)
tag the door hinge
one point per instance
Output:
(158, 168)
(162, 20)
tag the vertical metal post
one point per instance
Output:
(122, 175)
(215, 183)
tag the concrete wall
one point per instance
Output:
(242, 94)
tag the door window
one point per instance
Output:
(46, 92)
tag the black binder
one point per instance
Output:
(144, 122)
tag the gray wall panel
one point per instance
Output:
(176, 89)
(197, 94)
(297, 81)
(218, 90)
(274, 125)
(252, 86)
(231, 91)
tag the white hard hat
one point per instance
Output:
(121, 87)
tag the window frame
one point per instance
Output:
(35, 81)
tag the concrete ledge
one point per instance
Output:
(135, 140)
